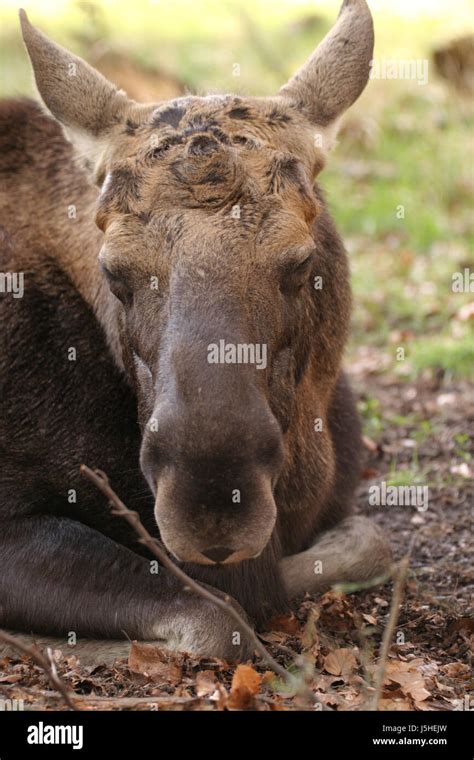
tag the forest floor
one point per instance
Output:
(415, 434)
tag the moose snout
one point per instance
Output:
(214, 521)
(214, 489)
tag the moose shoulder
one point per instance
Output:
(150, 237)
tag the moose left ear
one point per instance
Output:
(84, 101)
(337, 72)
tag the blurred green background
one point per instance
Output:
(402, 144)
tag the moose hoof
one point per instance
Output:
(204, 629)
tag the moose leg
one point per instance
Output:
(59, 577)
(90, 652)
(354, 551)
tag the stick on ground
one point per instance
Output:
(390, 627)
(46, 664)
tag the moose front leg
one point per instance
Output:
(355, 551)
(60, 577)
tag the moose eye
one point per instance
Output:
(118, 286)
(296, 273)
(303, 266)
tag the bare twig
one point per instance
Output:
(47, 664)
(391, 623)
(100, 480)
(131, 702)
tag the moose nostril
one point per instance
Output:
(218, 553)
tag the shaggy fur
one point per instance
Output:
(209, 227)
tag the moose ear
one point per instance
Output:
(338, 70)
(86, 103)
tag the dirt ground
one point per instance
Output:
(421, 432)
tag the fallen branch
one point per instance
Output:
(47, 664)
(100, 480)
(103, 703)
(391, 623)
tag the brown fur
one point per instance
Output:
(171, 177)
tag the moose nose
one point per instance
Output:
(218, 553)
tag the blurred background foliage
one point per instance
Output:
(402, 144)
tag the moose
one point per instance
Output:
(145, 234)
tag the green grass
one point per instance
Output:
(462, 448)
(402, 268)
(373, 422)
(456, 357)
(413, 475)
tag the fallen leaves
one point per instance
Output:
(286, 624)
(408, 678)
(455, 669)
(245, 686)
(322, 635)
(154, 664)
(336, 635)
(394, 704)
(340, 662)
(371, 619)
(205, 683)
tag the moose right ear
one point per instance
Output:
(84, 101)
(338, 70)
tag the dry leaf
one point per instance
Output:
(369, 444)
(310, 635)
(205, 683)
(273, 637)
(368, 473)
(286, 623)
(407, 675)
(11, 679)
(455, 669)
(340, 662)
(463, 623)
(369, 618)
(394, 704)
(220, 697)
(245, 685)
(154, 663)
(330, 698)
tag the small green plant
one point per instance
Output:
(412, 475)
(371, 413)
(424, 431)
(462, 446)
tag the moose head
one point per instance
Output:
(213, 233)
